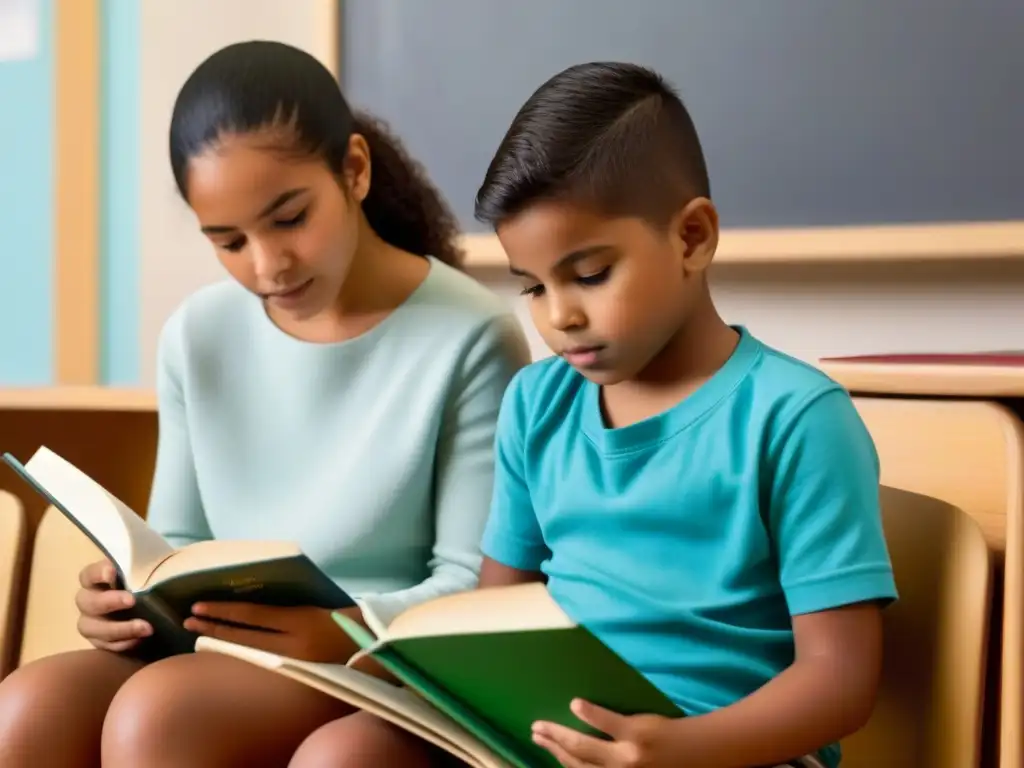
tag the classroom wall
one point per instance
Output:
(26, 211)
(811, 115)
(152, 256)
(174, 258)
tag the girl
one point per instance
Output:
(342, 392)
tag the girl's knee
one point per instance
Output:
(149, 712)
(56, 705)
(362, 741)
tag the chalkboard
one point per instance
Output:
(811, 112)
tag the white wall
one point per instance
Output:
(176, 35)
(813, 312)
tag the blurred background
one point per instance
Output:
(866, 157)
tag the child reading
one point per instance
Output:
(341, 391)
(705, 504)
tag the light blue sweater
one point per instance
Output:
(375, 455)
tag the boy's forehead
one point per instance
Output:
(543, 233)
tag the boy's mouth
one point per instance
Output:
(582, 357)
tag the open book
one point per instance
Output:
(167, 581)
(479, 669)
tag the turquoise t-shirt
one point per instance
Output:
(686, 541)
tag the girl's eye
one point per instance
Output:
(294, 221)
(235, 245)
(595, 279)
(533, 290)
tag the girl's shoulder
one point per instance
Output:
(454, 293)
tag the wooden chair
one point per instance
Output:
(12, 555)
(971, 455)
(51, 618)
(931, 701)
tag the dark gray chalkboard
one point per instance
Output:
(811, 112)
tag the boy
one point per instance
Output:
(705, 504)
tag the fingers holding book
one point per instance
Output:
(99, 604)
(305, 633)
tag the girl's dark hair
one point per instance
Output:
(260, 85)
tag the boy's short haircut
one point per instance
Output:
(611, 136)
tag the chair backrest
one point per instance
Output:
(51, 618)
(12, 557)
(936, 638)
(970, 454)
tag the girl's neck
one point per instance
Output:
(380, 279)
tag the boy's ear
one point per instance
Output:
(357, 168)
(695, 231)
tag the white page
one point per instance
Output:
(133, 545)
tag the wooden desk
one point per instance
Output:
(956, 432)
(109, 433)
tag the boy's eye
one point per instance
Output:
(294, 221)
(595, 279)
(532, 290)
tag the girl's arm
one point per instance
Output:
(464, 466)
(175, 507)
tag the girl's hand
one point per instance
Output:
(299, 633)
(96, 600)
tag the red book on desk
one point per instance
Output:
(945, 374)
(1014, 357)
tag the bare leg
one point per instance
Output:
(52, 710)
(207, 710)
(364, 741)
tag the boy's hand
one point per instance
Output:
(300, 633)
(637, 741)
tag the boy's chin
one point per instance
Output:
(602, 376)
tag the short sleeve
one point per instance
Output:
(513, 536)
(825, 517)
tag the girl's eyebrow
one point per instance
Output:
(277, 202)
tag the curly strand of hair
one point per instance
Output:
(404, 208)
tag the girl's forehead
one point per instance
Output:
(233, 179)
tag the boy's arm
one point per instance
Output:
(495, 574)
(825, 524)
(513, 545)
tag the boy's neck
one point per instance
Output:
(697, 351)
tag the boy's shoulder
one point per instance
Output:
(781, 378)
(544, 388)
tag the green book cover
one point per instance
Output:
(496, 679)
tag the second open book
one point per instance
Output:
(478, 668)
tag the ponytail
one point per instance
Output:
(403, 207)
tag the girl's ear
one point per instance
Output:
(357, 167)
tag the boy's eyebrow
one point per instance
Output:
(568, 259)
(277, 202)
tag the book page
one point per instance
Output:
(114, 527)
(206, 555)
(401, 706)
(518, 608)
